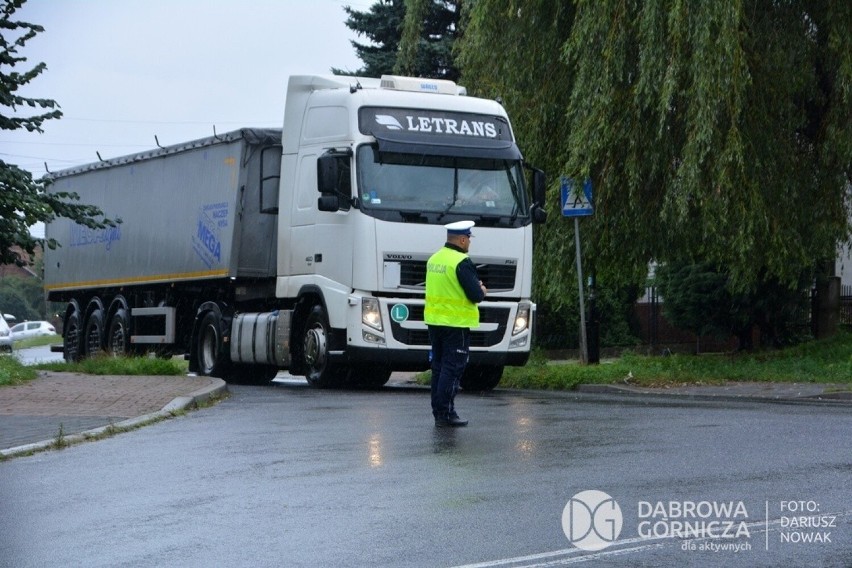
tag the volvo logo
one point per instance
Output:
(390, 256)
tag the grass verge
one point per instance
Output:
(38, 341)
(107, 365)
(12, 372)
(824, 361)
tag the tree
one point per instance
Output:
(412, 37)
(510, 50)
(23, 199)
(24, 298)
(696, 299)
(430, 29)
(699, 298)
(714, 132)
(382, 26)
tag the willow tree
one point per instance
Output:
(429, 30)
(716, 131)
(511, 50)
(713, 131)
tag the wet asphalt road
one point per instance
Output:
(290, 476)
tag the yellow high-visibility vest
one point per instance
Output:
(446, 302)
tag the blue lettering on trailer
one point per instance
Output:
(209, 240)
(84, 236)
(206, 240)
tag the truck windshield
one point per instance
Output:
(438, 189)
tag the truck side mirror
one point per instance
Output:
(334, 181)
(327, 173)
(328, 203)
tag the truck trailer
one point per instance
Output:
(304, 248)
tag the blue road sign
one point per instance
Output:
(576, 199)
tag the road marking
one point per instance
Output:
(623, 546)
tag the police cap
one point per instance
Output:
(459, 228)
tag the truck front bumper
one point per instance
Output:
(418, 359)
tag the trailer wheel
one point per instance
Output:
(318, 370)
(478, 378)
(71, 338)
(118, 339)
(210, 353)
(94, 332)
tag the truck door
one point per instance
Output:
(303, 243)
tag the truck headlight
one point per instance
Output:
(370, 314)
(522, 319)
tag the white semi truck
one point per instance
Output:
(305, 248)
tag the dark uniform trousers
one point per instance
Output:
(450, 352)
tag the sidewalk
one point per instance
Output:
(32, 414)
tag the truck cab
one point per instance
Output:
(372, 170)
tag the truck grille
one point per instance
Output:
(496, 277)
(420, 337)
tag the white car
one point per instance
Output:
(27, 329)
(5, 336)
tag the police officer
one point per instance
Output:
(452, 291)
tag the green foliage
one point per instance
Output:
(412, 37)
(715, 132)
(107, 365)
(23, 298)
(696, 298)
(712, 132)
(700, 298)
(37, 341)
(23, 200)
(560, 328)
(429, 32)
(534, 85)
(615, 314)
(412, 31)
(382, 26)
(12, 372)
(826, 361)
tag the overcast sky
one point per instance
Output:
(124, 71)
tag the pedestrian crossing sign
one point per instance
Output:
(576, 198)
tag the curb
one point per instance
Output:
(180, 403)
(825, 399)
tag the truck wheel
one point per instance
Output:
(481, 378)
(211, 357)
(94, 333)
(318, 370)
(71, 338)
(118, 338)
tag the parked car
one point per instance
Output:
(27, 329)
(5, 337)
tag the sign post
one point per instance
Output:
(576, 203)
